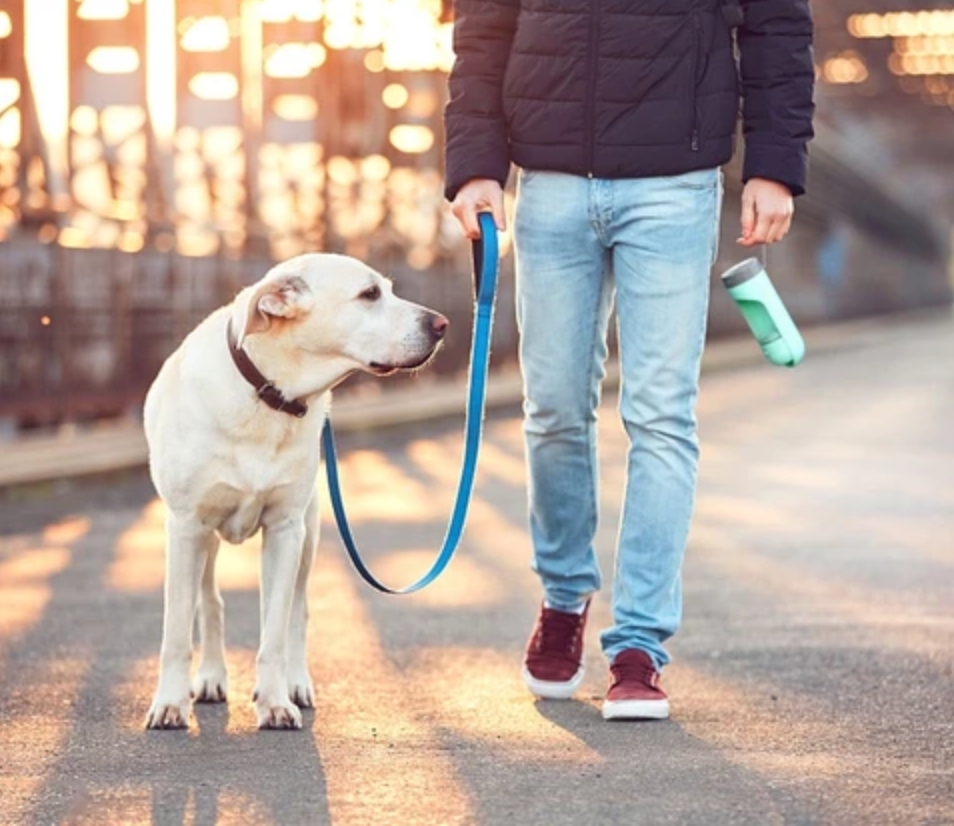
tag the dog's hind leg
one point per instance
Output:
(211, 680)
(187, 545)
(300, 687)
(281, 561)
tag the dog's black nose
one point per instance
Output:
(439, 325)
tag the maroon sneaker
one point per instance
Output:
(553, 667)
(635, 692)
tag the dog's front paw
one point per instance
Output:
(301, 691)
(277, 715)
(168, 715)
(211, 685)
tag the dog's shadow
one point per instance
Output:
(205, 778)
(80, 671)
(224, 769)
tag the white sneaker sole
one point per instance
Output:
(550, 690)
(635, 709)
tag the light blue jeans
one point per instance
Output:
(650, 243)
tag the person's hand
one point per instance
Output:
(767, 208)
(479, 195)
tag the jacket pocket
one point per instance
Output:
(694, 55)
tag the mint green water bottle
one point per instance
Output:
(762, 308)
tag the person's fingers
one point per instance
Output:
(471, 224)
(774, 231)
(748, 217)
(497, 209)
(780, 226)
(762, 224)
(465, 211)
(786, 226)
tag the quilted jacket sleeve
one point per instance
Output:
(778, 77)
(476, 144)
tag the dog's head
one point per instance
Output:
(336, 307)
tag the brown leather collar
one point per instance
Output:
(264, 389)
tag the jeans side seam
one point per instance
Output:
(591, 424)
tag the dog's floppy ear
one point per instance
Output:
(286, 297)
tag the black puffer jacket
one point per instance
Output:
(628, 88)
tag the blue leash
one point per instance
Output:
(485, 275)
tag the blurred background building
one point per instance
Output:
(158, 155)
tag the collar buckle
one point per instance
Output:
(264, 388)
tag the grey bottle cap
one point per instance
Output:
(740, 273)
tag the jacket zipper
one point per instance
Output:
(696, 37)
(591, 94)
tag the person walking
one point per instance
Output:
(618, 115)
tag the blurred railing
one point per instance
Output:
(83, 332)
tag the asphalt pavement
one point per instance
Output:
(812, 682)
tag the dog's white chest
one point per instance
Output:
(234, 516)
(241, 495)
(234, 513)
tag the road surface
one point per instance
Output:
(813, 679)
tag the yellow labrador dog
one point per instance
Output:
(233, 423)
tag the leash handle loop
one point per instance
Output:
(486, 255)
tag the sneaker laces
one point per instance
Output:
(636, 672)
(558, 631)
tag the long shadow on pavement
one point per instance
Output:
(74, 689)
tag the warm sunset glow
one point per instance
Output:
(31, 566)
(902, 24)
(412, 139)
(10, 128)
(847, 67)
(341, 171)
(75, 238)
(374, 61)
(465, 583)
(422, 104)
(207, 34)
(113, 60)
(214, 85)
(67, 532)
(119, 122)
(9, 92)
(46, 43)
(293, 60)
(376, 489)
(161, 71)
(457, 680)
(394, 96)
(139, 564)
(25, 573)
(375, 167)
(196, 242)
(281, 11)
(347, 626)
(130, 242)
(295, 107)
(103, 10)
(110, 133)
(84, 120)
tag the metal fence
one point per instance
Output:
(84, 332)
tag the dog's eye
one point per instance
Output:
(371, 294)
